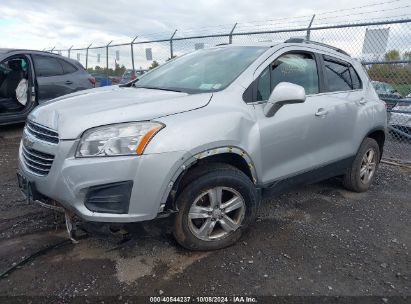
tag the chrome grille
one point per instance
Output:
(36, 161)
(42, 133)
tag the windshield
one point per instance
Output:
(206, 70)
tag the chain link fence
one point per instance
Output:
(384, 48)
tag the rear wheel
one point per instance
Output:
(215, 208)
(362, 172)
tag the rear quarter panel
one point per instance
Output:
(378, 119)
(81, 78)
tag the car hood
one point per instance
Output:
(72, 114)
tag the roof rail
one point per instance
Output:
(302, 40)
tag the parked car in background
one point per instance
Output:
(102, 80)
(400, 119)
(115, 80)
(387, 93)
(129, 75)
(200, 137)
(39, 77)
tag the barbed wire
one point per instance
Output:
(240, 28)
(363, 13)
(375, 19)
(255, 23)
(359, 7)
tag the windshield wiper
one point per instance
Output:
(159, 88)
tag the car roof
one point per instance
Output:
(9, 50)
(5, 51)
(293, 42)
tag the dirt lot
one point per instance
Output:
(316, 240)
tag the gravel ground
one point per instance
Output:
(316, 240)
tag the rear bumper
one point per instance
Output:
(70, 179)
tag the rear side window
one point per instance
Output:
(47, 66)
(340, 75)
(67, 67)
(297, 68)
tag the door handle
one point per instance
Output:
(68, 82)
(321, 112)
(363, 101)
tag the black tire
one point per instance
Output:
(202, 179)
(352, 179)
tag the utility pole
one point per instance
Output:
(230, 36)
(87, 55)
(132, 54)
(171, 45)
(69, 50)
(107, 59)
(309, 28)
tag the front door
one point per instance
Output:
(293, 140)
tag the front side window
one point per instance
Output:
(264, 85)
(207, 70)
(47, 66)
(297, 68)
(340, 76)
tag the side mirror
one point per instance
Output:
(284, 93)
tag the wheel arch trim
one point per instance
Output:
(194, 158)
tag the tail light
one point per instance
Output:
(133, 76)
(92, 80)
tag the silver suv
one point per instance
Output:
(202, 136)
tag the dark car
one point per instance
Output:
(387, 93)
(28, 78)
(130, 75)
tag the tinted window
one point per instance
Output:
(297, 68)
(341, 76)
(67, 67)
(264, 87)
(47, 66)
(356, 81)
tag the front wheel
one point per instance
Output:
(362, 172)
(215, 208)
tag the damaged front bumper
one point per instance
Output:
(119, 189)
(32, 196)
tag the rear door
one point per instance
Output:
(345, 99)
(52, 79)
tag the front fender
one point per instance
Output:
(192, 158)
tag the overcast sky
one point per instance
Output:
(45, 23)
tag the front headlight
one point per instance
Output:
(118, 139)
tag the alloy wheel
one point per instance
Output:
(368, 166)
(216, 213)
